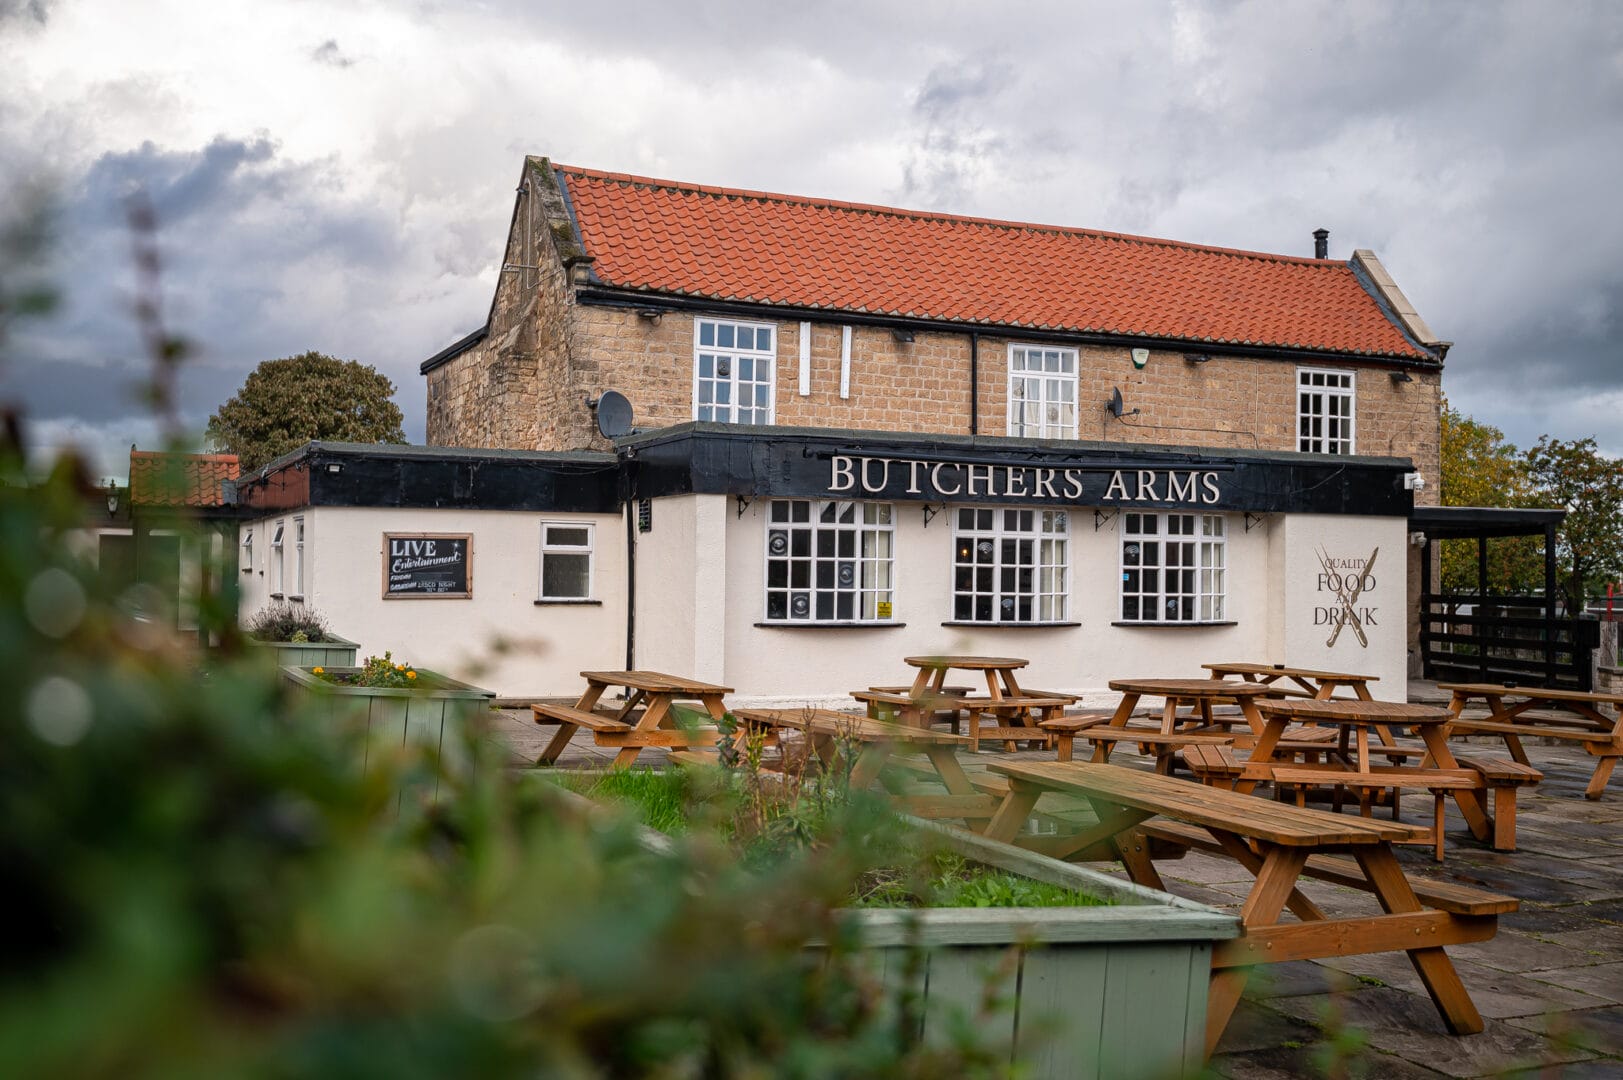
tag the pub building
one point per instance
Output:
(780, 443)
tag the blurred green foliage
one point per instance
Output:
(200, 881)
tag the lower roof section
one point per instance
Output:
(708, 458)
(1457, 522)
(435, 477)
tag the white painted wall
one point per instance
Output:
(795, 665)
(1311, 602)
(499, 638)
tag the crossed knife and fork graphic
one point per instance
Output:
(1338, 583)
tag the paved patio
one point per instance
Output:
(1550, 984)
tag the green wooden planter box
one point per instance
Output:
(1109, 992)
(433, 716)
(1117, 992)
(336, 653)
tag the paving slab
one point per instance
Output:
(1601, 980)
(1407, 1026)
(1600, 1030)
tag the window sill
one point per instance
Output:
(297, 598)
(582, 602)
(1010, 625)
(276, 596)
(1175, 625)
(831, 625)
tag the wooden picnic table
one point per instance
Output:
(1439, 771)
(653, 693)
(1016, 714)
(1174, 732)
(879, 740)
(1302, 682)
(1599, 734)
(1277, 843)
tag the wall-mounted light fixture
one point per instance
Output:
(1195, 358)
(903, 336)
(112, 498)
(335, 467)
(930, 512)
(1400, 377)
(652, 314)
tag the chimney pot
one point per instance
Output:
(1321, 243)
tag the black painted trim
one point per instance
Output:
(453, 350)
(1173, 625)
(568, 603)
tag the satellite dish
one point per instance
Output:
(613, 414)
(1114, 404)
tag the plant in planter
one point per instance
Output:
(1083, 961)
(297, 636)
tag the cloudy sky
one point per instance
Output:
(338, 176)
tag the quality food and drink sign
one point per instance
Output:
(427, 566)
(1343, 591)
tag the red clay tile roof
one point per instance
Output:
(160, 479)
(660, 236)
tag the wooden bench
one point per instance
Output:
(1147, 739)
(594, 719)
(1274, 842)
(1383, 778)
(1030, 709)
(1064, 728)
(1442, 895)
(1503, 777)
(1212, 763)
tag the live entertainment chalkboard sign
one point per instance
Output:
(427, 566)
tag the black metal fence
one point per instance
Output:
(1504, 639)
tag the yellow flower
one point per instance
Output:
(400, 667)
(411, 674)
(319, 670)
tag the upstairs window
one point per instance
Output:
(1324, 411)
(278, 566)
(732, 371)
(1010, 566)
(566, 561)
(298, 557)
(248, 550)
(829, 561)
(1172, 568)
(1042, 392)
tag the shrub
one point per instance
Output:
(284, 621)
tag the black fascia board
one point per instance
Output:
(454, 350)
(433, 477)
(651, 300)
(1469, 522)
(708, 458)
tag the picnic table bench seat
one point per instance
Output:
(593, 719)
(1578, 716)
(1381, 778)
(1442, 895)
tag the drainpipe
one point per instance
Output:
(974, 382)
(631, 585)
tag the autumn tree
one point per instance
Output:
(1574, 475)
(289, 402)
(1481, 469)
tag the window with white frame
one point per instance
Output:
(566, 560)
(732, 371)
(298, 557)
(829, 561)
(1042, 392)
(1010, 566)
(277, 564)
(1324, 411)
(248, 550)
(1172, 568)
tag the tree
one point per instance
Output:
(1481, 469)
(1575, 475)
(289, 402)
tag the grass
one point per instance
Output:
(906, 877)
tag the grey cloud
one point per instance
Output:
(35, 11)
(328, 52)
